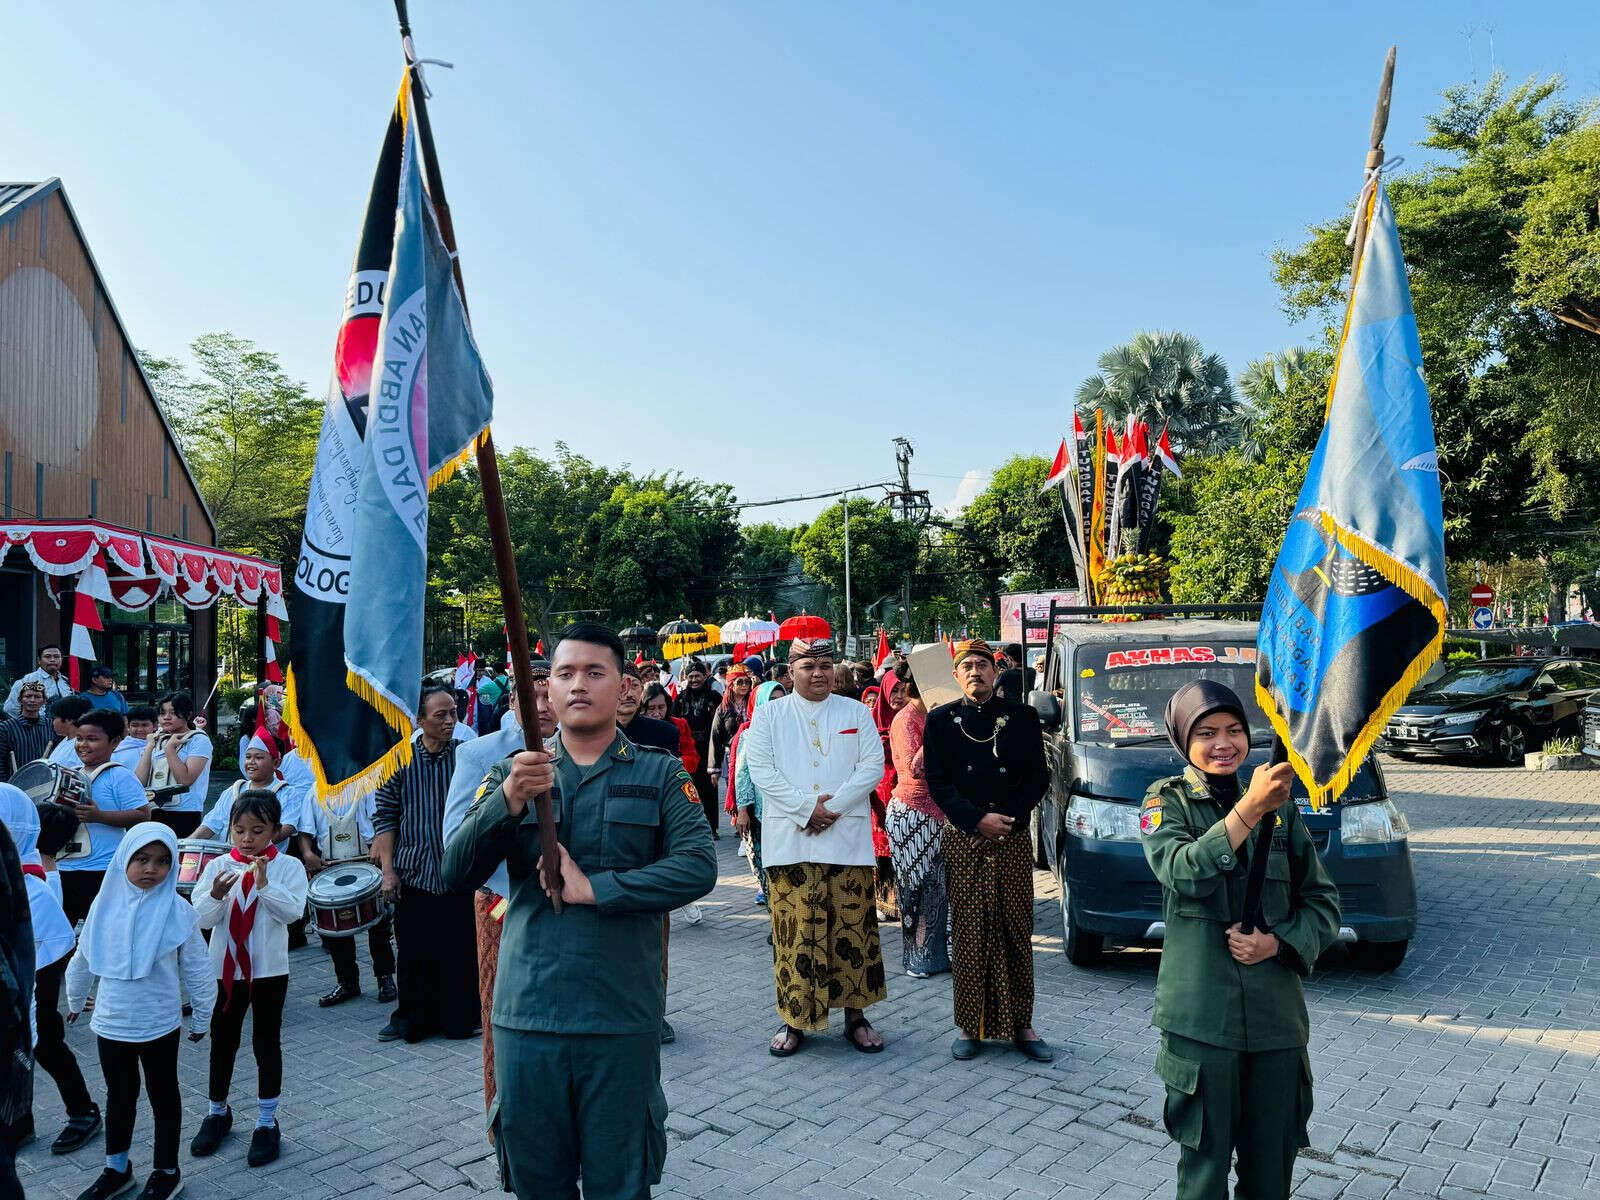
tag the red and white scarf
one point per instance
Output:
(241, 921)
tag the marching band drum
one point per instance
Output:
(345, 899)
(193, 856)
(43, 781)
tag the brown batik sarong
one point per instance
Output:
(488, 963)
(825, 941)
(991, 930)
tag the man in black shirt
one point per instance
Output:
(638, 728)
(984, 762)
(697, 704)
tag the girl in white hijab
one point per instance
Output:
(52, 943)
(139, 936)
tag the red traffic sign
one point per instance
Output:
(1482, 595)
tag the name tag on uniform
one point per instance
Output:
(642, 790)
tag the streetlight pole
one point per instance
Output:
(845, 500)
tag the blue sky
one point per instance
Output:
(754, 241)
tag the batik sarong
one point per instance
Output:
(991, 930)
(825, 941)
(919, 876)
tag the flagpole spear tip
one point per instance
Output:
(405, 19)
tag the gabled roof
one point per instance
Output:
(17, 198)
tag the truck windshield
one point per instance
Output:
(1123, 687)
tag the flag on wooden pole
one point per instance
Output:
(1356, 606)
(408, 401)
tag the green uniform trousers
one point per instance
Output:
(581, 1104)
(1221, 1102)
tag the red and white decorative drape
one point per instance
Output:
(132, 570)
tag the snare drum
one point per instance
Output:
(43, 781)
(345, 899)
(193, 855)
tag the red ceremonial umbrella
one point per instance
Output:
(804, 626)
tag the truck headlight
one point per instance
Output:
(1103, 819)
(1371, 824)
(1466, 718)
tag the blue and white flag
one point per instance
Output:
(1355, 610)
(430, 402)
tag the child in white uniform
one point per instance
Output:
(138, 938)
(248, 898)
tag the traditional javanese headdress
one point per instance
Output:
(973, 646)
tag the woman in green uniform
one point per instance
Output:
(1229, 1006)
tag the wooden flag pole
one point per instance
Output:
(494, 503)
(1280, 753)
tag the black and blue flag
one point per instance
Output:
(1355, 610)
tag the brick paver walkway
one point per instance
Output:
(1469, 1072)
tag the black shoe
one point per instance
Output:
(264, 1145)
(338, 996)
(668, 1033)
(212, 1130)
(387, 992)
(965, 1048)
(392, 1032)
(162, 1185)
(1036, 1049)
(77, 1133)
(111, 1183)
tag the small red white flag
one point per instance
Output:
(463, 678)
(92, 585)
(1164, 453)
(1058, 470)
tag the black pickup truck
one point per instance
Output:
(1101, 703)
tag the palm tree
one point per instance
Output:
(1167, 379)
(1288, 391)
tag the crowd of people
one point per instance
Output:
(853, 803)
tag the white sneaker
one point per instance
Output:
(693, 915)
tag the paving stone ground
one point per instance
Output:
(1470, 1071)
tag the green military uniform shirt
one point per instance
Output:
(633, 824)
(1201, 992)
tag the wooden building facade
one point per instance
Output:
(81, 436)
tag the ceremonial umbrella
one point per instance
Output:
(752, 631)
(804, 625)
(642, 634)
(682, 637)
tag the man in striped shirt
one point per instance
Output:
(435, 930)
(28, 736)
(24, 738)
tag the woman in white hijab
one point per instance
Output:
(52, 943)
(137, 939)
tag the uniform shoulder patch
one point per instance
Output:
(1150, 814)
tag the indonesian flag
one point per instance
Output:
(274, 635)
(883, 636)
(1058, 469)
(1164, 453)
(92, 586)
(463, 678)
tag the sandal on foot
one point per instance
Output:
(851, 1027)
(799, 1040)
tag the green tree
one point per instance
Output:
(1023, 525)
(249, 434)
(882, 550)
(1167, 379)
(1229, 523)
(1499, 242)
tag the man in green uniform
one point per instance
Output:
(1229, 1006)
(578, 1000)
